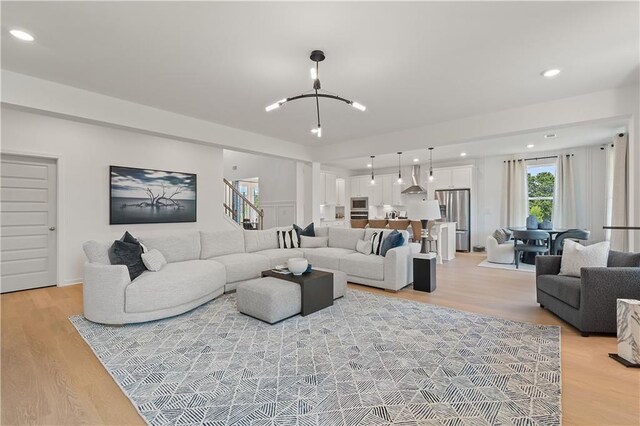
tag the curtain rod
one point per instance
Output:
(538, 158)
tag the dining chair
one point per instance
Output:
(530, 242)
(572, 234)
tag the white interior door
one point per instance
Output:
(28, 205)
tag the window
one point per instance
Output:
(540, 183)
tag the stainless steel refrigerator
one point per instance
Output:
(455, 206)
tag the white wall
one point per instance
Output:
(277, 179)
(85, 152)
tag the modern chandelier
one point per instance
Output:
(317, 56)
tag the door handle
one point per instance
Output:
(52, 228)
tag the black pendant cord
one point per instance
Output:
(318, 107)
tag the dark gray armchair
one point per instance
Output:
(589, 302)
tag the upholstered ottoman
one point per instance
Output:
(269, 299)
(339, 282)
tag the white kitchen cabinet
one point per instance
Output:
(340, 190)
(354, 186)
(387, 189)
(452, 178)
(396, 197)
(461, 177)
(327, 188)
(330, 189)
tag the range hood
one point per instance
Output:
(415, 178)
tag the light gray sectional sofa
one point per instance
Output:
(203, 265)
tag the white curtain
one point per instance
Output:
(620, 208)
(564, 198)
(514, 193)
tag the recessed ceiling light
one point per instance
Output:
(21, 35)
(369, 165)
(530, 145)
(462, 154)
(415, 160)
(550, 136)
(550, 73)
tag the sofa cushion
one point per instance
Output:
(346, 238)
(175, 247)
(279, 256)
(97, 251)
(128, 254)
(392, 240)
(618, 259)
(243, 266)
(219, 243)
(326, 257)
(322, 231)
(564, 288)
(362, 265)
(368, 233)
(576, 256)
(260, 240)
(313, 242)
(175, 284)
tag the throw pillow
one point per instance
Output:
(499, 235)
(363, 246)
(313, 242)
(392, 240)
(127, 251)
(576, 256)
(507, 234)
(288, 239)
(153, 260)
(309, 231)
(376, 241)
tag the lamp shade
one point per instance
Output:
(430, 210)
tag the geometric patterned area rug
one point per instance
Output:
(367, 360)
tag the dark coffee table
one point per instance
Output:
(316, 288)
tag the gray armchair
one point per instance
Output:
(589, 302)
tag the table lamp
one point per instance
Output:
(430, 211)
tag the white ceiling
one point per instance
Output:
(566, 137)
(411, 64)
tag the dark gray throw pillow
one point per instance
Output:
(393, 240)
(127, 251)
(309, 231)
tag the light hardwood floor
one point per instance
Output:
(51, 377)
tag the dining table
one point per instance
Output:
(530, 258)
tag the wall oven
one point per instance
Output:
(359, 203)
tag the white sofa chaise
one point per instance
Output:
(203, 265)
(186, 282)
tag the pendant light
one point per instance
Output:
(431, 164)
(316, 56)
(399, 171)
(373, 178)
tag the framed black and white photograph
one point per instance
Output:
(151, 196)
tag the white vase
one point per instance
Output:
(297, 265)
(628, 320)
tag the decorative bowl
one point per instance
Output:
(297, 265)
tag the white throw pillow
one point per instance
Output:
(313, 242)
(363, 246)
(576, 256)
(287, 239)
(153, 260)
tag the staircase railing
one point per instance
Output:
(240, 209)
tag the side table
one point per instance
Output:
(424, 272)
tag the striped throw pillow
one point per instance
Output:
(288, 239)
(376, 241)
